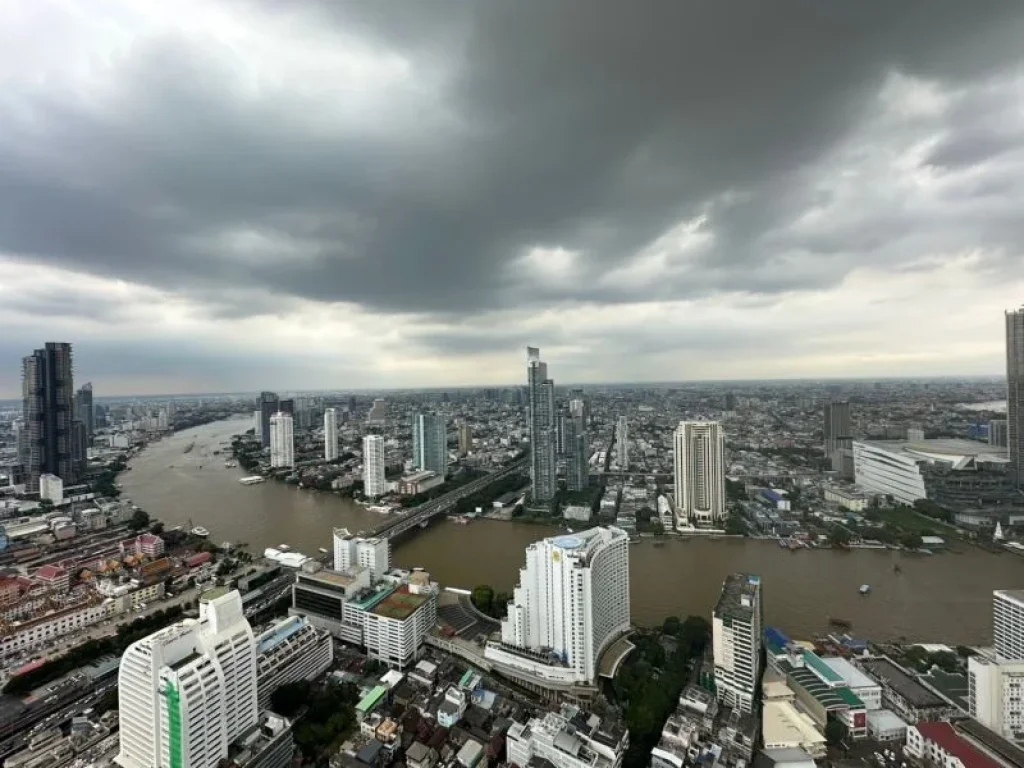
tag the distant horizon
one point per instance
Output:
(659, 384)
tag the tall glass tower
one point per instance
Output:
(430, 442)
(1015, 393)
(48, 392)
(541, 415)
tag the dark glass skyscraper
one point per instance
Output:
(1015, 393)
(47, 412)
(268, 407)
(84, 411)
(541, 415)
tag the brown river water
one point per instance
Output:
(939, 598)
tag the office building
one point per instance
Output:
(351, 551)
(622, 442)
(994, 695)
(374, 483)
(84, 411)
(430, 443)
(1008, 624)
(571, 603)
(257, 425)
(330, 434)
(541, 418)
(836, 426)
(47, 415)
(699, 474)
(1015, 393)
(188, 691)
(378, 412)
(579, 409)
(395, 628)
(736, 632)
(577, 455)
(943, 469)
(289, 651)
(282, 440)
(465, 439)
(51, 488)
(269, 405)
(997, 433)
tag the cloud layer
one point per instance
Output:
(235, 195)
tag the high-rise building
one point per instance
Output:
(1008, 624)
(351, 551)
(997, 433)
(291, 649)
(79, 449)
(736, 636)
(47, 412)
(1015, 393)
(622, 442)
(282, 440)
(257, 425)
(541, 413)
(577, 455)
(189, 690)
(374, 483)
(84, 411)
(430, 443)
(836, 427)
(330, 434)
(571, 603)
(699, 473)
(465, 439)
(579, 409)
(268, 407)
(378, 412)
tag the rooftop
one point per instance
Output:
(887, 672)
(853, 676)
(959, 453)
(950, 741)
(335, 578)
(400, 604)
(737, 598)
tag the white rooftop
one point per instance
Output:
(853, 676)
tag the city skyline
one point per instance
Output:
(446, 212)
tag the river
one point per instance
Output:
(940, 598)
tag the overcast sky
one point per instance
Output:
(206, 195)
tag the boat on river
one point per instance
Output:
(865, 589)
(200, 531)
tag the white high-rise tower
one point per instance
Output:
(330, 434)
(571, 603)
(187, 691)
(622, 441)
(541, 414)
(374, 483)
(736, 628)
(282, 440)
(699, 474)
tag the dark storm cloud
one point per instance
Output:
(593, 126)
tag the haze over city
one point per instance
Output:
(223, 196)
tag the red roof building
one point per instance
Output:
(940, 744)
(53, 577)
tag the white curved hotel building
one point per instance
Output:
(571, 603)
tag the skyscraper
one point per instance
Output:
(836, 426)
(465, 439)
(268, 407)
(541, 414)
(736, 631)
(622, 441)
(374, 483)
(699, 473)
(430, 443)
(1008, 623)
(330, 434)
(571, 603)
(1015, 393)
(188, 691)
(577, 455)
(84, 411)
(282, 440)
(257, 424)
(47, 412)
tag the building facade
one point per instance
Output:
(351, 551)
(567, 739)
(541, 422)
(188, 691)
(577, 455)
(291, 650)
(1008, 624)
(700, 474)
(374, 483)
(269, 405)
(465, 439)
(995, 695)
(430, 443)
(47, 415)
(330, 434)
(572, 601)
(622, 441)
(1015, 393)
(282, 440)
(736, 632)
(836, 427)
(84, 411)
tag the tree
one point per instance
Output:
(735, 526)
(672, 625)
(290, 698)
(483, 598)
(139, 520)
(835, 732)
(838, 536)
(911, 540)
(157, 528)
